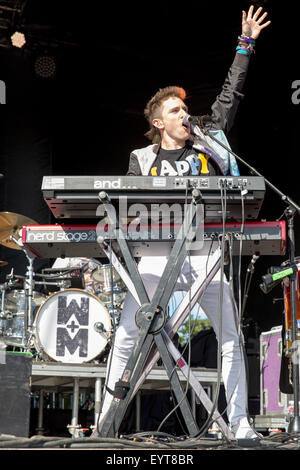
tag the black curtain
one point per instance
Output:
(26, 155)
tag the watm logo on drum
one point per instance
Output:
(74, 334)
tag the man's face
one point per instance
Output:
(172, 112)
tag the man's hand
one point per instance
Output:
(252, 24)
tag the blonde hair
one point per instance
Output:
(153, 108)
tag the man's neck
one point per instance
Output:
(171, 144)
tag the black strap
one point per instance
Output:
(121, 389)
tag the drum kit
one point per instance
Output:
(47, 314)
(62, 322)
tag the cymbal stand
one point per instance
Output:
(28, 289)
(294, 425)
(3, 288)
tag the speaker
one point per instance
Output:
(15, 373)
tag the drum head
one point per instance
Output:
(72, 326)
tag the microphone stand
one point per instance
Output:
(290, 212)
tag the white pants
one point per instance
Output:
(233, 370)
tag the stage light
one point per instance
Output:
(18, 39)
(45, 66)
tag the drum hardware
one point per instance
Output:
(115, 297)
(10, 227)
(64, 284)
(73, 277)
(3, 288)
(115, 314)
(105, 275)
(112, 290)
(99, 327)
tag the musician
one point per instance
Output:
(88, 265)
(179, 149)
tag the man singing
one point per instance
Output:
(180, 149)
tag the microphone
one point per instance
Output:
(191, 121)
(188, 120)
(251, 264)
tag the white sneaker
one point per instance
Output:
(243, 430)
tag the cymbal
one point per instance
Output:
(3, 263)
(11, 224)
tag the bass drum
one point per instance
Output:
(72, 326)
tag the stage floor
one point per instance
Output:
(150, 444)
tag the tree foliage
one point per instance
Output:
(191, 327)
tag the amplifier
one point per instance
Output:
(15, 374)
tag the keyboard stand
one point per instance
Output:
(155, 334)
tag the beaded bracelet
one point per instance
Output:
(247, 39)
(245, 50)
(242, 50)
(246, 45)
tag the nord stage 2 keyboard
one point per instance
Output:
(52, 241)
(77, 197)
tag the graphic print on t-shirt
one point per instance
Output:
(182, 162)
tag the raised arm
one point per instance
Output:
(225, 107)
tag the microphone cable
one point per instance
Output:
(186, 212)
(190, 330)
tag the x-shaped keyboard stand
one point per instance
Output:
(154, 338)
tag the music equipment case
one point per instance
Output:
(273, 403)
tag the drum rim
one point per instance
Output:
(38, 340)
(103, 267)
(23, 291)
